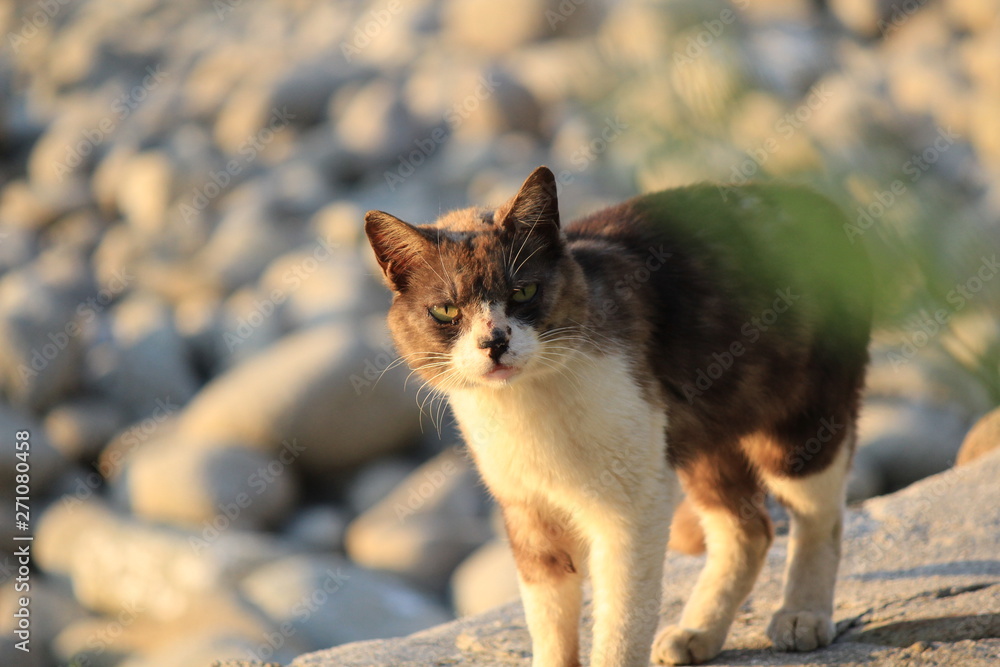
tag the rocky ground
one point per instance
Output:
(919, 585)
(191, 323)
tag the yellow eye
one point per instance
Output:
(444, 314)
(526, 293)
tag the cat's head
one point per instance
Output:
(483, 298)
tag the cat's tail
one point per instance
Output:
(686, 535)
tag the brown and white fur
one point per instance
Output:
(715, 337)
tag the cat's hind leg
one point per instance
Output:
(724, 491)
(816, 503)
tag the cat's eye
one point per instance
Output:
(444, 314)
(526, 293)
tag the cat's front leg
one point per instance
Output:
(550, 572)
(626, 558)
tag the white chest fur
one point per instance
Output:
(568, 438)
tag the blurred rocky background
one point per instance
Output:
(226, 461)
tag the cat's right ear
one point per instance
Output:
(397, 245)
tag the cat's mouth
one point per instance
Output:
(501, 373)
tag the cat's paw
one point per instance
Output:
(800, 630)
(682, 646)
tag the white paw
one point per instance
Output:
(682, 646)
(800, 630)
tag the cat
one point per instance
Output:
(704, 340)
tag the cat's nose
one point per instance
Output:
(497, 343)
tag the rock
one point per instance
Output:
(22, 208)
(221, 621)
(211, 650)
(492, 30)
(338, 223)
(981, 440)
(245, 241)
(45, 461)
(328, 601)
(427, 525)
(81, 427)
(117, 564)
(144, 192)
(251, 321)
(484, 580)
(315, 388)
(919, 564)
(909, 441)
(145, 345)
(318, 528)
(41, 323)
(321, 283)
(374, 122)
(376, 481)
(221, 485)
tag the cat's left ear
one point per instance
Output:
(535, 206)
(397, 245)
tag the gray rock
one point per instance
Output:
(918, 585)
(320, 283)
(217, 484)
(315, 389)
(375, 481)
(910, 441)
(251, 320)
(81, 427)
(328, 601)
(374, 122)
(484, 580)
(148, 363)
(318, 528)
(117, 564)
(41, 325)
(246, 239)
(427, 525)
